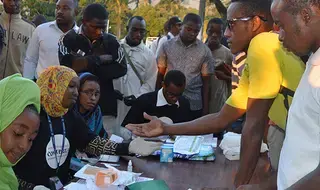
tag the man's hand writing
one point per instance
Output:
(152, 129)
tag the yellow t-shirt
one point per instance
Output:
(268, 67)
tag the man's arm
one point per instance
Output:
(207, 69)
(32, 57)
(162, 65)
(211, 123)
(160, 76)
(135, 114)
(118, 66)
(252, 135)
(205, 94)
(107, 66)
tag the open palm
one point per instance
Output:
(152, 129)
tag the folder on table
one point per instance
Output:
(147, 185)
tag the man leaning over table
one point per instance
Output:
(299, 166)
(269, 69)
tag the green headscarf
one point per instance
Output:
(16, 93)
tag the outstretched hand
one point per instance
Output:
(152, 129)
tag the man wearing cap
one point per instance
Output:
(174, 25)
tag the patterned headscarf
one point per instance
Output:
(53, 83)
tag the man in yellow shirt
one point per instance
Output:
(270, 77)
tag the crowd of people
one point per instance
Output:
(65, 89)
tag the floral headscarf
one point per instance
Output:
(53, 83)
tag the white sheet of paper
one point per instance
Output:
(76, 186)
(188, 145)
(80, 174)
(210, 140)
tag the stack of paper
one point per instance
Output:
(188, 145)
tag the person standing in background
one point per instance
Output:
(18, 32)
(193, 58)
(220, 83)
(38, 20)
(155, 43)
(92, 50)
(42, 51)
(142, 69)
(174, 26)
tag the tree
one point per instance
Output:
(156, 16)
(221, 7)
(31, 8)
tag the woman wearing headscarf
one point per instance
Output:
(87, 105)
(62, 131)
(19, 124)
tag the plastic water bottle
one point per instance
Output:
(129, 166)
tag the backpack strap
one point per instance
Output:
(132, 65)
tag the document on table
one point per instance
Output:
(188, 145)
(210, 140)
(76, 186)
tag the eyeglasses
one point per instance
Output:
(230, 23)
(170, 94)
(90, 93)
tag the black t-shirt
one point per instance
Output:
(39, 163)
(148, 103)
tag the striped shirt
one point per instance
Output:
(194, 61)
(238, 64)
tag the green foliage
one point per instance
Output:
(31, 8)
(119, 13)
(157, 16)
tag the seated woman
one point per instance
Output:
(62, 131)
(87, 105)
(19, 124)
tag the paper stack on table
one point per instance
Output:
(231, 146)
(187, 145)
(89, 172)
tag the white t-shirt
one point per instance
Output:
(300, 153)
(42, 51)
(165, 38)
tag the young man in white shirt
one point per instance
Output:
(299, 166)
(142, 74)
(42, 51)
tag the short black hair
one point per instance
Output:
(84, 77)
(191, 17)
(295, 6)
(140, 18)
(175, 77)
(95, 10)
(173, 21)
(39, 19)
(75, 3)
(215, 21)
(256, 8)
